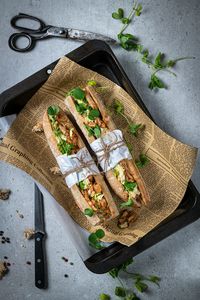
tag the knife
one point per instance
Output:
(40, 235)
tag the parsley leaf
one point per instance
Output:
(77, 93)
(88, 212)
(129, 185)
(53, 110)
(133, 128)
(127, 203)
(93, 114)
(120, 291)
(155, 82)
(142, 161)
(104, 297)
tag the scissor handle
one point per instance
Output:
(25, 29)
(12, 42)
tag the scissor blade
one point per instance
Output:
(87, 35)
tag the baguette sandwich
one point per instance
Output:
(91, 195)
(91, 116)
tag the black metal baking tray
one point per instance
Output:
(98, 56)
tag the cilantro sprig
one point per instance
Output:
(130, 42)
(119, 109)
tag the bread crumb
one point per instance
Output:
(38, 128)
(4, 194)
(29, 233)
(55, 171)
(3, 269)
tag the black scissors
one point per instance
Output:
(44, 31)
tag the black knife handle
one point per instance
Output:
(40, 261)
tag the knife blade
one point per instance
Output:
(40, 235)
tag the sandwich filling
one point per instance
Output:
(67, 143)
(96, 125)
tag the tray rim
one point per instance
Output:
(85, 51)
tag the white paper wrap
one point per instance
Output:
(117, 152)
(69, 162)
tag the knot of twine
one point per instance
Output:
(107, 148)
(83, 164)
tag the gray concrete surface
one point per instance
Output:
(168, 26)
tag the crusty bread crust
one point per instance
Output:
(78, 197)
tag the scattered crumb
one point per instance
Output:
(28, 263)
(66, 275)
(3, 269)
(38, 128)
(71, 263)
(55, 171)
(23, 246)
(4, 194)
(29, 233)
(20, 215)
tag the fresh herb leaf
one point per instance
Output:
(126, 20)
(90, 130)
(94, 239)
(77, 93)
(118, 15)
(81, 108)
(120, 291)
(97, 131)
(82, 185)
(155, 82)
(91, 82)
(127, 203)
(138, 10)
(141, 286)
(158, 61)
(131, 296)
(53, 110)
(65, 148)
(142, 161)
(93, 114)
(129, 185)
(104, 297)
(145, 55)
(88, 212)
(154, 279)
(115, 271)
(133, 128)
(128, 41)
(118, 107)
(100, 233)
